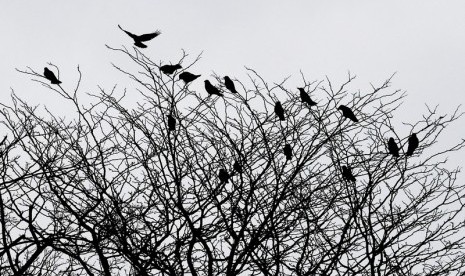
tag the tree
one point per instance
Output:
(114, 191)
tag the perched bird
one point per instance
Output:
(229, 84)
(347, 112)
(237, 166)
(412, 144)
(347, 173)
(278, 109)
(305, 98)
(51, 76)
(393, 148)
(169, 69)
(287, 151)
(212, 90)
(138, 39)
(187, 77)
(171, 122)
(223, 175)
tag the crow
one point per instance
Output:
(393, 148)
(171, 123)
(212, 90)
(287, 151)
(138, 39)
(229, 84)
(237, 166)
(347, 173)
(169, 69)
(278, 109)
(187, 77)
(347, 112)
(223, 175)
(412, 144)
(305, 98)
(51, 76)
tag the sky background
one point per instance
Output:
(422, 40)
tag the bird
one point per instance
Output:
(223, 175)
(138, 39)
(347, 112)
(187, 77)
(171, 122)
(305, 98)
(412, 144)
(237, 167)
(169, 69)
(278, 109)
(347, 173)
(229, 84)
(51, 76)
(287, 151)
(393, 148)
(212, 90)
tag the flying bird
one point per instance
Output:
(187, 77)
(138, 39)
(347, 112)
(305, 98)
(212, 90)
(223, 175)
(169, 69)
(278, 109)
(287, 151)
(347, 173)
(412, 144)
(393, 148)
(50, 76)
(237, 166)
(171, 122)
(229, 84)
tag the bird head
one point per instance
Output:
(340, 107)
(301, 89)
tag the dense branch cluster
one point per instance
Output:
(225, 181)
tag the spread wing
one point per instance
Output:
(147, 37)
(133, 36)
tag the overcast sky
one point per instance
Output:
(422, 40)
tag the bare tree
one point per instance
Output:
(227, 188)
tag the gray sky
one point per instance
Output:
(422, 40)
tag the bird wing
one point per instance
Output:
(147, 37)
(128, 33)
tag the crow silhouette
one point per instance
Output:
(393, 148)
(287, 151)
(51, 76)
(187, 77)
(412, 144)
(237, 166)
(229, 84)
(138, 39)
(347, 173)
(223, 175)
(305, 98)
(169, 69)
(212, 90)
(347, 112)
(171, 123)
(278, 109)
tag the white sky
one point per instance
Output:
(422, 40)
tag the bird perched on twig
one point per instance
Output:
(188, 77)
(347, 173)
(138, 39)
(212, 90)
(305, 98)
(229, 84)
(237, 167)
(412, 144)
(287, 151)
(171, 123)
(169, 69)
(347, 112)
(279, 110)
(393, 148)
(223, 175)
(51, 76)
